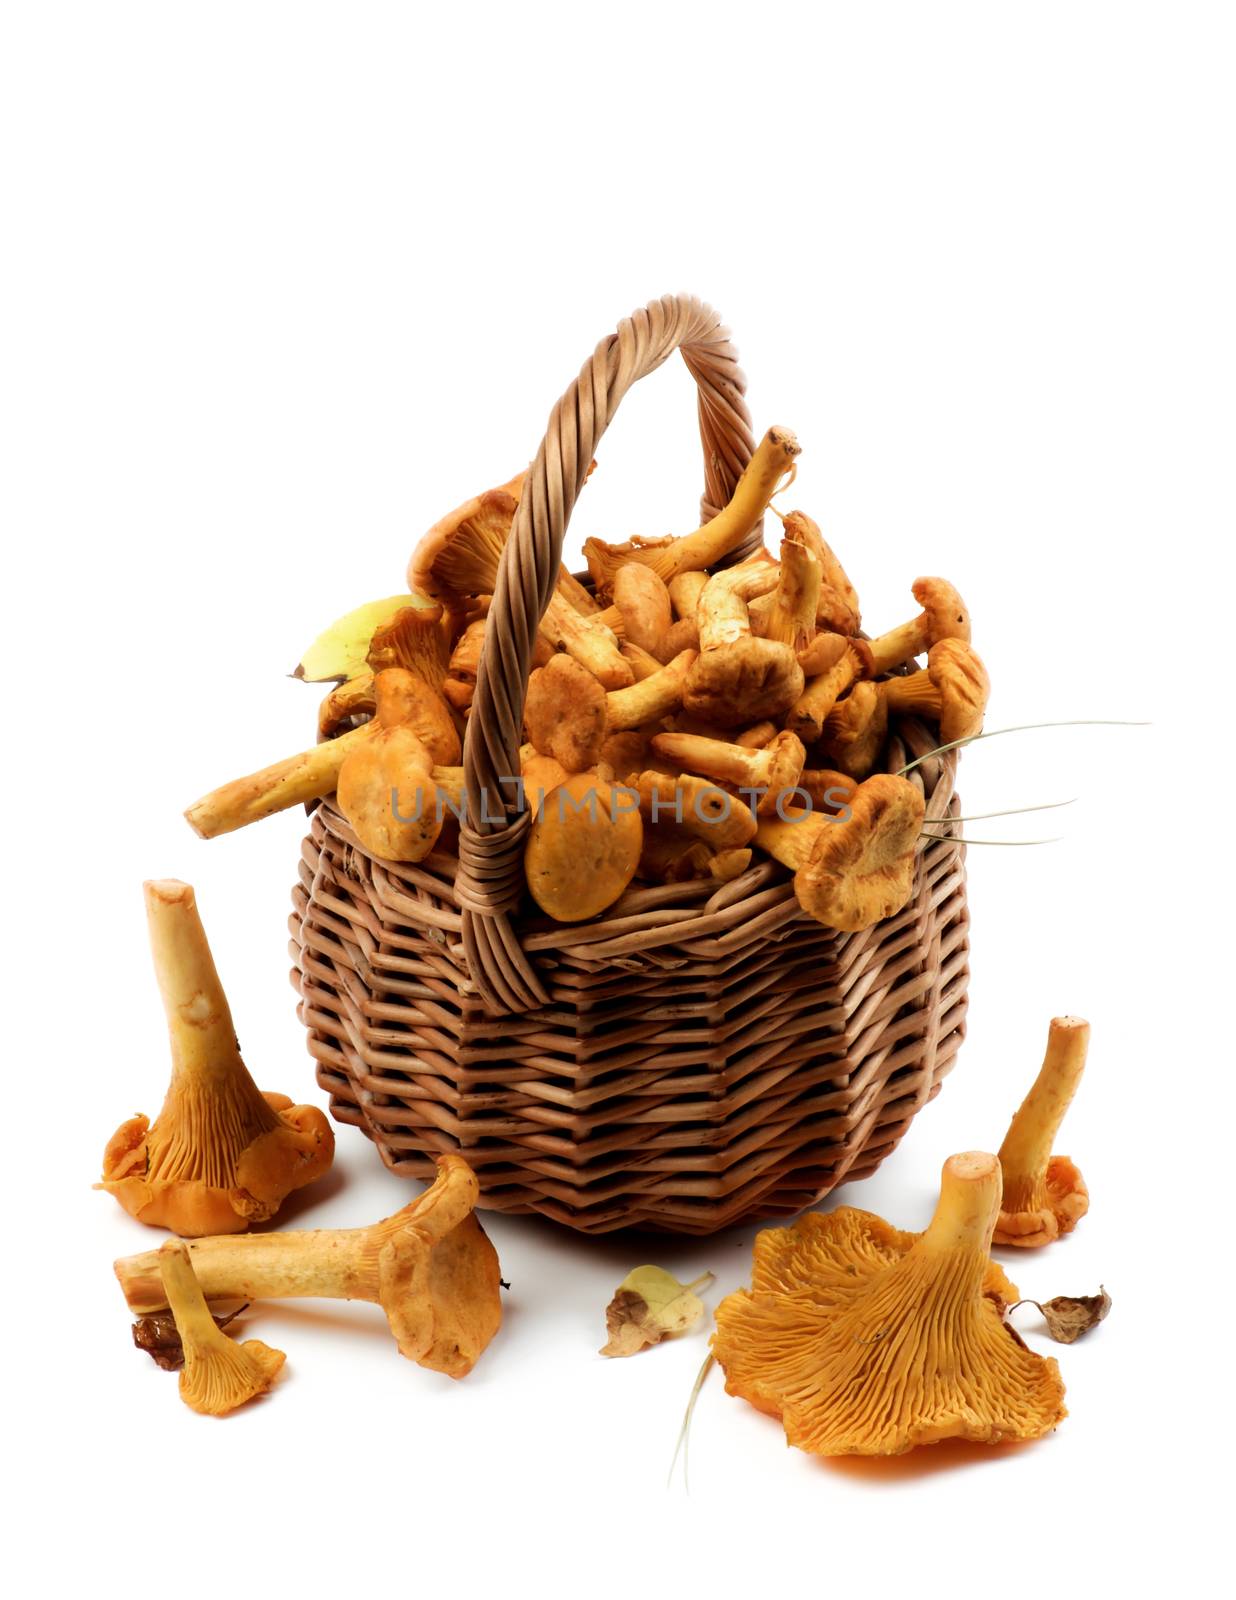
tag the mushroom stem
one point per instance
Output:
(943, 616)
(654, 696)
(711, 543)
(808, 715)
(591, 643)
(913, 695)
(696, 806)
(788, 614)
(316, 1263)
(218, 1375)
(182, 1293)
(790, 836)
(199, 1021)
(643, 663)
(1027, 1146)
(966, 1213)
(311, 775)
(768, 769)
(210, 1087)
(685, 591)
(721, 610)
(430, 1267)
(901, 643)
(837, 600)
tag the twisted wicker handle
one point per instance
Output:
(490, 880)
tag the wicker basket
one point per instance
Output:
(697, 1055)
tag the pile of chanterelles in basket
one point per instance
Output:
(681, 716)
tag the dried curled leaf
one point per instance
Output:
(1069, 1316)
(158, 1335)
(649, 1305)
(339, 652)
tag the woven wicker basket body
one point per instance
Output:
(698, 1055)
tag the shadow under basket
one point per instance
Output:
(709, 1053)
(702, 1053)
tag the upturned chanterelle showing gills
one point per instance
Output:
(430, 1267)
(868, 1341)
(221, 1154)
(219, 1375)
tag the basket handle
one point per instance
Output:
(490, 880)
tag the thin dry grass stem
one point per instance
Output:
(1021, 727)
(1015, 811)
(1056, 838)
(684, 1432)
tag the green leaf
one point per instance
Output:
(339, 653)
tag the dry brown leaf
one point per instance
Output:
(159, 1337)
(649, 1305)
(1069, 1316)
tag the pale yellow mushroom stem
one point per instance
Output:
(653, 696)
(218, 1375)
(773, 458)
(311, 775)
(788, 614)
(1027, 1146)
(957, 1240)
(593, 645)
(199, 1022)
(821, 694)
(695, 806)
(762, 773)
(790, 836)
(685, 591)
(721, 610)
(430, 1267)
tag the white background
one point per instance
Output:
(281, 285)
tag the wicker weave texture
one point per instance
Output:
(706, 1055)
(697, 1055)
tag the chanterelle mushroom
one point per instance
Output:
(865, 1340)
(737, 678)
(851, 659)
(220, 1154)
(854, 730)
(760, 774)
(850, 872)
(953, 690)
(788, 612)
(944, 616)
(311, 775)
(385, 786)
(459, 556)
(415, 643)
(643, 602)
(838, 605)
(583, 848)
(569, 716)
(415, 639)
(219, 1375)
(696, 806)
(430, 1267)
(773, 459)
(1044, 1194)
